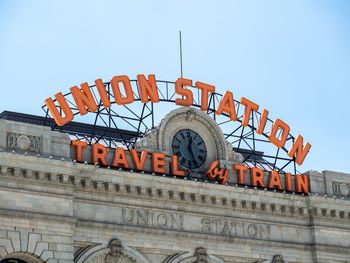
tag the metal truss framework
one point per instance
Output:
(122, 125)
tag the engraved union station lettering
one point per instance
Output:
(152, 219)
(230, 228)
(173, 221)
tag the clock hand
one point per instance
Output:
(189, 144)
(190, 148)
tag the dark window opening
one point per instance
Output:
(12, 260)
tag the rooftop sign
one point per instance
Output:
(148, 91)
(214, 173)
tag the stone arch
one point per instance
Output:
(113, 252)
(23, 243)
(199, 255)
(29, 258)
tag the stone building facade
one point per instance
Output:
(54, 209)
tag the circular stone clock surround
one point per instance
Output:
(199, 122)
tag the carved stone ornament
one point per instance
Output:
(116, 255)
(195, 175)
(341, 188)
(23, 142)
(201, 254)
(148, 141)
(278, 259)
(275, 259)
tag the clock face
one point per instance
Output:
(190, 148)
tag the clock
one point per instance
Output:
(190, 148)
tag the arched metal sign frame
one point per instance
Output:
(123, 126)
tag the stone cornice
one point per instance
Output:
(92, 181)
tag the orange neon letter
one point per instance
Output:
(278, 124)
(79, 145)
(148, 88)
(64, 106)
(257, 177)
(262, 121)
(206, 88)
(158, 163)
(139, 163)
(129, 95)
(249, 107)
(288, 178)
(300, 150)
(213, 170)
(174, 167)
(227, 104)
(302, 183)
(240, 172)
(83, 98)
(179, 89)
(99, 153)
(275, 181)
(103, 93)
(120, 158)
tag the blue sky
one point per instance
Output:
(290, 57)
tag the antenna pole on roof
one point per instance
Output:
(180, 54)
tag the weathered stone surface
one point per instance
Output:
(70, 212)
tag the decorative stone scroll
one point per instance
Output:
(23, 142)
